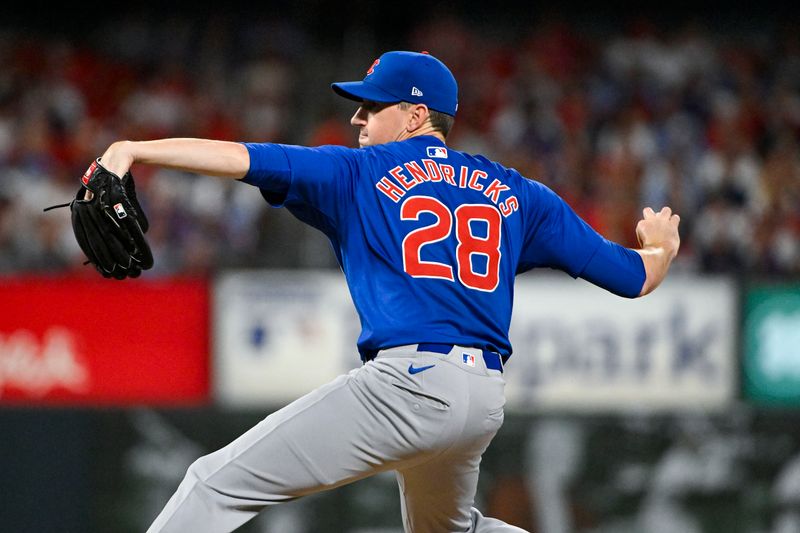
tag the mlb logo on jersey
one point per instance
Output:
(437, 151)
(468, 359)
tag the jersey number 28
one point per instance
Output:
(469, 244)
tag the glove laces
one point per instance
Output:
(56, 206)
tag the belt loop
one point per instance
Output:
(493, 360)
(367, 355)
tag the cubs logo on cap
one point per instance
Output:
(418, 78)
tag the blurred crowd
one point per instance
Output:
(613, 118)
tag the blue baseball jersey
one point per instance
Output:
(430, 239)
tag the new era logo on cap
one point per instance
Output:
(415, 92)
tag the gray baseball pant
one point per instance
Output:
(431, 427)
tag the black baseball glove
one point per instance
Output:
(109, 223)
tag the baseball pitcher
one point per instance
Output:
(429, 240)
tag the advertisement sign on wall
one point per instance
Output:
(280, 335)
(577, 347)
(101, 342)
(772, 344)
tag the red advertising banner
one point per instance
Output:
(77, 341)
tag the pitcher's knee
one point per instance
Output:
(199, 470)
(485, 524)
(229, 485)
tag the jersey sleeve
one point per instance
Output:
(315, 184)
(556, 237)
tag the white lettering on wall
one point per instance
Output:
(39, 365)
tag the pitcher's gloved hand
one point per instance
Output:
(109, 223)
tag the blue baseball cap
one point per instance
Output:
(413, 77)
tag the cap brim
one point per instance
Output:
(360, 90)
